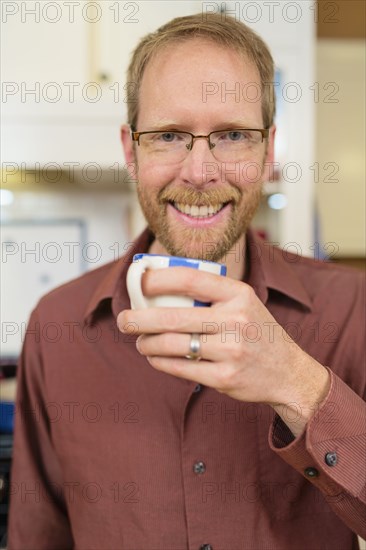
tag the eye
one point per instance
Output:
(168, 136)
(232, 137)
(236, 135)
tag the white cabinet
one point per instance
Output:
(74, 55)
(63, 68)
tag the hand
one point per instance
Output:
(244, 353)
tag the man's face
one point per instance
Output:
(173, 96)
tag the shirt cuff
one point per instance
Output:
(331, 450)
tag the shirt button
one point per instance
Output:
(197, 388)
(311, 472)
(331, 459)
(199, 468)
(206, 547)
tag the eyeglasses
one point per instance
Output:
(234, 145)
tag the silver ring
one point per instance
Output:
(194, 347)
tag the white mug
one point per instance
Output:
(142, 262)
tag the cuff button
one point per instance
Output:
(311, 472)
(331, 459)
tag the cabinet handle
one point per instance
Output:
(103, 77)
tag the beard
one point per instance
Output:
(212, 243)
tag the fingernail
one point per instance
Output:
(138, 344)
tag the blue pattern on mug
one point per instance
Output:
(176, 261)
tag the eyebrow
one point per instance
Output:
(165, 125)
(171, 125)
(239, 124)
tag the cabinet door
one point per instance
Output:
(63, 67)
(45, 69)
(44, 50)
(116, 35)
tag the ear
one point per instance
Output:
(269, 159)
(129, 150)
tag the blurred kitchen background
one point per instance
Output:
(67, 203)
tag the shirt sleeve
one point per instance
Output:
(38, 513)
(331, 452)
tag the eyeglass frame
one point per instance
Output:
(136, 135)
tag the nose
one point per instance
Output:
(207, 138)
(200, 167)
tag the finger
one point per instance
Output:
(185, 281)
(157, 320)
(168, 345)
(178, 345)
(202, 372)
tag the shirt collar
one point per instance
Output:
(271, 268)
(113, 286)
(268, 269)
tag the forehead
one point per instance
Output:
(195, 78)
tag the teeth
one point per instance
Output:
(198, 211)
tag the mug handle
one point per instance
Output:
(133, 281)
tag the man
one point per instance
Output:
(255, 444)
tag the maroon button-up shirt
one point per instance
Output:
(112, 454)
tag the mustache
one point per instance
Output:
(194, 197)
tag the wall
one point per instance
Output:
(341, 145)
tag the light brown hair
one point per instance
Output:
(218, 28)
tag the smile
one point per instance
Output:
(198, 211)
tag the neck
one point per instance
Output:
(235, 260)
